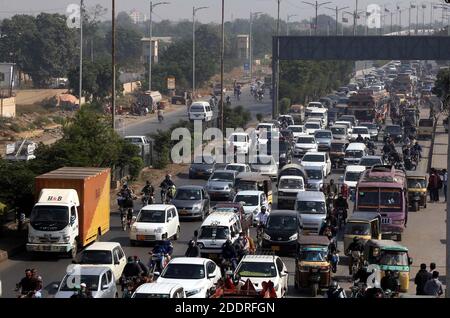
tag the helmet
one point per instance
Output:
(191, 243)
(147, 183)
(334, 284)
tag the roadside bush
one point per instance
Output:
(41, 121)
(285, 104)
(135, 166)
(259, 117)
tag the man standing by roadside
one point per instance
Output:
(433, 287)
(444, 179)
(421, 279)
(433, 186)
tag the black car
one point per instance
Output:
(282, 231)
(202, 167)
(395, 132)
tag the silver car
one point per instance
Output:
(265, 165)
(323, 139)
(221, 185)
(99, 280)
(315, 177)
(192, 202)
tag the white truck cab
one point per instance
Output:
(54, 223)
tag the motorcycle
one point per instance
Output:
(160, 257)
(167, 194)
(357, 291)
(160, 118)
(147, 199)
(409, 164)
(340, 212)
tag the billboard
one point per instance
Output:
(6, 76)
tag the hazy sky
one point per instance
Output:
(182, 9)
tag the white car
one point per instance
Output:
(304, 144)
(239, 167)
(159, 290)
(317, 159)
(196, 275)
(345, 123)
(269, 127)
(240, 142)
(262, 268)
(108, 254)
(99, 280)
(265, 165)
(252, 202)
(155, 222)
(352, 174)
(297, 130)
(312, 126)
(359, 130)
(314, 105)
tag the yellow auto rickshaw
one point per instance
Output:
(312, 267)
(364, 225)
(417, 190)
(255, 181)
(390, 255)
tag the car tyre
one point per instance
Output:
(177, 234)
(132, 242)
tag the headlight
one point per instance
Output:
(159, 230)
(193, 292)
(266, 237)
(197, 206)
(66, 238)
(293, 237)
(133, 229)
(226, 188)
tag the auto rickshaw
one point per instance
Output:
(390, 255)
(312, 267)
(337, 153)
(255, 181)
(364, 225)
(417, 190)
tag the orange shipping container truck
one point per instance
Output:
(72, 210)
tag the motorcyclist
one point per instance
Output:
(359, 138)
(341, 205)
(417, 148)
(389, 281)
(165, 185)
(160, 114)
(374, 292)
(228, 100)
(26, 284)
(142, 266)
(362, 274)
(193, 250)
(262, 216)
(164, 250)
(148, 190)
(355, 249)
(131, 269)
(229, 253)
(242, 245)
(125, 195)
(335, 291)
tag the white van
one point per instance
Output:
(200, 111)
(312, 207)
(318, 113)
(216, 229)
(354, 152)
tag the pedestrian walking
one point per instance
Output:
(433, 185)
(444, 178)
(433, 287)
(422, 277)
(432, 267)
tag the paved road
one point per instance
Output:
(423, 236)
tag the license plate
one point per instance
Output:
(46, 248)
(386, 221)
(210, 256)
(183, 212)
(140, 237)
(275, 248)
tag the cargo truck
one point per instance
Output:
(72, 210)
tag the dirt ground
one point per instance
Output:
(34, 96)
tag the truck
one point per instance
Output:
(367, 104)
(72, 210)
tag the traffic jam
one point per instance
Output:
(320, 211)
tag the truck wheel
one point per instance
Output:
(314, 289)
(415, 206)
(177, 234)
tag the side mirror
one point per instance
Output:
(55, 286)
(410, 260)
(133, 219)
(104, 287)
(195, 233)
(116, 263)
(211, 276)
(233, 234)
(156, 274)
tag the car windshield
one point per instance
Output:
(291, 184)
(264, 160)
(337, 147)
(343, 101)
(313, 256)
(370, 126)
(352, 176)
(296, 129)
(91, 282)
(305, 140)
(284, 223)
(311, 207)
(394, 258)
(184, 271)
(204, 160)
(313, 158)
(322, 134)
(248, 200)
(222, 176)
(312, 126)
(197, 109)
(338, 130)
(387, 200)
(257, 269)
(369, 162)
(357, 228)
(393, 129)
(354, 153)
(146, 216)
(417, 183)
(267, 127)
(238, 168)
(314, 174)
(188, 194)
(214, 232)
(361, 131)
(96, 257)
(49, 217)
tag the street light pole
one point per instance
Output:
(81, 50)
(316, 5)
(150, 59)
(337, 9)
(113, 55)
(409, 18)
(194, 11)
(417, 20)
(222, 54)
(289, 16)
(252, 14)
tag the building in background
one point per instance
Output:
(8, 81)
(156, 41)
(136, 16)
(243, 46)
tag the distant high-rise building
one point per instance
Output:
(136, 16)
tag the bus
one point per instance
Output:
(383, 189)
